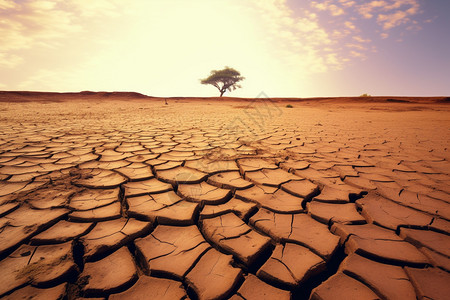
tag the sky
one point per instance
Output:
(283, 48)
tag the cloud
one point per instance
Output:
(327, 5)
(389, 13)
(25, 24)
(350, 25)
(357, 47)
(10, 60)
(34, 23)
(350, 21)
(398, 13)
(367, 9)
(300, 38)
(97, 8)
(347, 3)
(7, 4)
(360, 39)
(358, 54)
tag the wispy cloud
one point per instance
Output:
(348, 18)
(398, 13)
(300, 38)
(327, 5)
(350, 25)
(368, 9)
(347, 3)
(9, 61)
(49, 23)
(389, 13)
(360, 39)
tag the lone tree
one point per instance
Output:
(224, 80)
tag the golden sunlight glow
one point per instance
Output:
(170, 47)
(284, 48)
(163, 48)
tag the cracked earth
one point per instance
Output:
(216, 200)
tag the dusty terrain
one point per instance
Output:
(124, 197)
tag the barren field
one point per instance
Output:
(129, 198)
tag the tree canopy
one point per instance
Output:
(224, 80)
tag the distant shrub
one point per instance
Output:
(365, 95)
(289, 106)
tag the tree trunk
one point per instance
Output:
(222, 92)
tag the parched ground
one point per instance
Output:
(201, 199)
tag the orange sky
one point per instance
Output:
(163, 47)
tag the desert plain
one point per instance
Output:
(122, 196)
